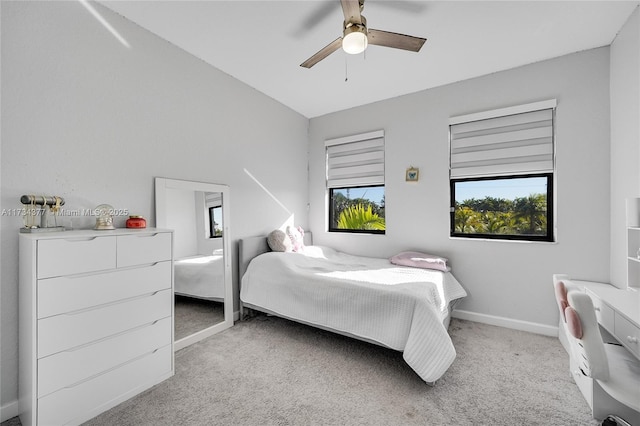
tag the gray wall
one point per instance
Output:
(625, 138)
(508, 280)
(88, 119)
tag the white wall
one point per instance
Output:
(10, 322)
(503, 279)
(87, 118)
(625, 138)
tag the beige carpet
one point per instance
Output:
(269, 371)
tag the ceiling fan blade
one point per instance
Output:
(351, 10)
(323, 53)
(395, 40)
(322, 11)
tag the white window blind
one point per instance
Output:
(512, 144)
(356, 160)
(213, 199)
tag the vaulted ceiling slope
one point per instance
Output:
(263, 43)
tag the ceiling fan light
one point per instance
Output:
(354, 40)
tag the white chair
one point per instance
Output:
(615, 372)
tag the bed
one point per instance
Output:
(403, 308)
(200, 276)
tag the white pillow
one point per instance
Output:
(279, 241)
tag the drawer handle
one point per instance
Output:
(76, 240)
(109, 271)
(115, 302)
(632, 339)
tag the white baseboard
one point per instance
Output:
(531, 327)
(9, 411)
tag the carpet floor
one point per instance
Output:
(192, 315)
(270, 371)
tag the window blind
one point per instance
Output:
(515, 144)
(212, 199)
(355, 160)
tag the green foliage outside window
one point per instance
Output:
(358, 214)
(525, 216)
(360, 217)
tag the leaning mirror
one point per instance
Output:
(198, 214)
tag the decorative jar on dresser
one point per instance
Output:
(95, 321)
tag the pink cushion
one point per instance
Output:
(561, 298)
(420, 260)
(573, 322)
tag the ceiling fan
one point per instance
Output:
(356, 36)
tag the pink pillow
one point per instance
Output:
(297, 238)
(420, 260)
(573, 322)
(561, 298)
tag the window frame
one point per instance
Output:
(550, 213)
(331, 228)
(211, 221)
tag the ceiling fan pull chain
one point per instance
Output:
(346, 70)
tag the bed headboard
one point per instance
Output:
(250, 247)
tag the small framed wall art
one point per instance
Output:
(412, 174)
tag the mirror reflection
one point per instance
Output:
(195, 213)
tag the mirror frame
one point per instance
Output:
(161, 186)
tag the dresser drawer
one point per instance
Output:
(143, 249)
(69, 367)
(66, 331)
(604, 313)
(628, 334)
(74, 292)
(78, 403)
(75, 255)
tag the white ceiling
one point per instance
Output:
(262, 43)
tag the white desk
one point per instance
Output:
(618, 312)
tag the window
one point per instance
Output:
(213, 202)
(355, 182)
(215, 222)
(502, 174)
(513, 207)
(357, 209)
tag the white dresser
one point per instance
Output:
(95, 321)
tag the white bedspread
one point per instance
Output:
(200, 276)
(399, 307)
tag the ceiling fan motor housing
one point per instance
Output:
(354, 36)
